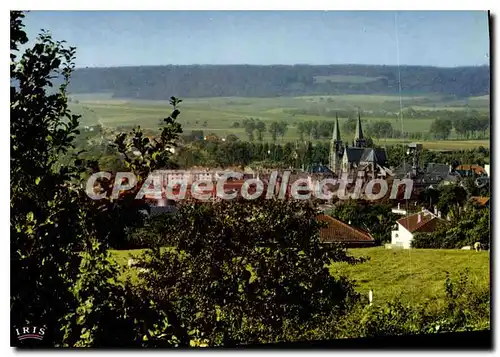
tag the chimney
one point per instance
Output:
(435, 210)
(419, 219)
(399, 205)
(439, 214)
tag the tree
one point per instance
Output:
(378, 219)
(45, 233)
(231, 138)
(465, 227)
(309, 128)
(274, 130)
(260, 127)
(449, 196)
(282, 128)
(441, 128)
(349, 125)
(51, 219)
(249, 125)
(484, 126)
(62, 276)
(234, 281)
(301, 129)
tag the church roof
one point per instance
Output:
(354, 154)
(381, 155)
(369, 155)
(436, 169)
(319, 169)
(357, 155)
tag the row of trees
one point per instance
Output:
(214, 152)
(275, 129)
(465, 128)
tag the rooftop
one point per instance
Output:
(427, 222)
(338, 231)
(483, 201)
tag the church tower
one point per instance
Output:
(336, 148)
(359, 140)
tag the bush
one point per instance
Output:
(466, 308)
(245, 272)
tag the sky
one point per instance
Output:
(137, 38)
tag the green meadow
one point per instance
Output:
(412, 276)
(219, 115)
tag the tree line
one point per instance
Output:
(213, 152)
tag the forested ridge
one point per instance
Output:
(159, 82)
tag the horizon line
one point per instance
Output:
(280, 65)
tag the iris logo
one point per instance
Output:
(30, 332)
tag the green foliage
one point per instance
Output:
(63, 278)
(441, 128)
(450, 196)
(245, 273)
(153, 154)
(466, 308)
(465, 228)
(378, 219)
(380, 129)
(45, 211)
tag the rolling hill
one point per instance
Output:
(198, 81)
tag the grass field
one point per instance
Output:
(217, 115)
(414, 276)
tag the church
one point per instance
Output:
(357, 160)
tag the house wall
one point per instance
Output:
(401, 237)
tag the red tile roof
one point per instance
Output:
(428, 222)
(338, 231)
(483, 201)
(476, 168)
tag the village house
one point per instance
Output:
(467, 170)
(340, 232)
(480, 200)
(421, 222)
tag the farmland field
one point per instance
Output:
(413, 276)
(219, 115)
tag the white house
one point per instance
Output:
(423, 221)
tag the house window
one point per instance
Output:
(396, 235)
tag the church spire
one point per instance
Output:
(359, 130)
(336, 148)
(336, 130)
(358, 137)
